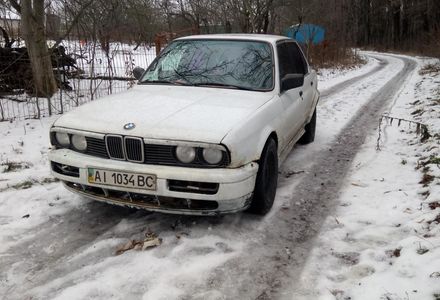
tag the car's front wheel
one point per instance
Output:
(267, 180)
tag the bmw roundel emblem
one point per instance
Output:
(129, 126)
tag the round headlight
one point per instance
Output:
(79, 142)
(185, 154)
(63, 139)
(212, 156)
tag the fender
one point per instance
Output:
(246, 142)
(238, 159)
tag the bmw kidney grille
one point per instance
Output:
(125, 148)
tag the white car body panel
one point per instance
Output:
(167, 112)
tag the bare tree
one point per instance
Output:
(34, 34)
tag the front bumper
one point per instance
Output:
(235, 186)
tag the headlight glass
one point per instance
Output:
(63, 139)
(185, 154)
(212, 156)
(79, 142)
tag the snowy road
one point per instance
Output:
(65, 248)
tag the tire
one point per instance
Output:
(267, 180)
(309, 136)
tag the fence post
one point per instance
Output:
(38, 108)
(62, 79)
(1, 111)
(49, 107)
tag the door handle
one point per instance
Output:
(301, 93)
(311, 83)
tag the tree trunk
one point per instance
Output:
(32, 16)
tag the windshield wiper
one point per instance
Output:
(174, 82)
(226, 85)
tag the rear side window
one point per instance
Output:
(284, 62)
(297, 58)
(291, 60)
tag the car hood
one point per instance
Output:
(183, 113)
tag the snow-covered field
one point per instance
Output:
(382, 242)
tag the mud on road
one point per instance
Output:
(256, 258)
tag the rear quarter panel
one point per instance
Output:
(315, 94)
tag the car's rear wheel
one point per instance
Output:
(309, 136)
(267, 180)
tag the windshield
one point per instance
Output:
(224, 63)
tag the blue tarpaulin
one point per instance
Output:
(306, 33)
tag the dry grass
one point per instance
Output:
(435, 160)
(331, 55)
(11, 166)
(427, 179)
(430, 69)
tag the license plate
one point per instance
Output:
(124, 179)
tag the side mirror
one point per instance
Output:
(291, 81)
(138, 72)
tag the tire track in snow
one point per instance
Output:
(343, 85)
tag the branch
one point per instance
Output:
(73, 23)
(15, 5)
(8, 41)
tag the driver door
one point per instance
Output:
(292, 99)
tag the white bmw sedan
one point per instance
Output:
(203, 132)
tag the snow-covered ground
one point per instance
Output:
(383, 242)
(55, 245)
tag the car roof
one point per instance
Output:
(237, 36)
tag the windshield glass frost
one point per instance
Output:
(229, 63)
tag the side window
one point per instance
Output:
(297, 58)
(284, 60)
(303, 59)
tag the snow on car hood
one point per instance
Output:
(167, 112)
